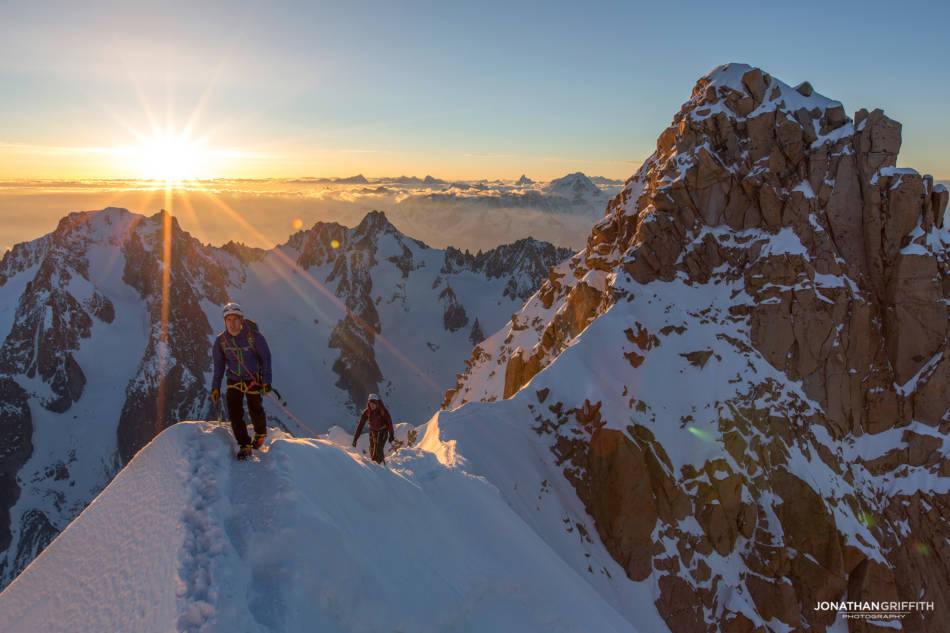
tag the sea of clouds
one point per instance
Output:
(469, 215)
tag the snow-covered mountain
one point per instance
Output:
(745, 376)
(576, 187)
(100, 353)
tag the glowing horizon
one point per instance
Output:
(186, 161)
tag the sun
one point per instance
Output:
(170, 158)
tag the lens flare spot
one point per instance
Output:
(335, 244)
(298, 224)
(705, 436)
(923, 549)
(867, 520)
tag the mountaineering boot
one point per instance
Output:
(245, 452)
(258, 440)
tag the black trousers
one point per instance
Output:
(377, 442)
(255, 405)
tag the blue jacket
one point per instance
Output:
(242, 361)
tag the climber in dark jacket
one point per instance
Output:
(380, 427)
(241, 351)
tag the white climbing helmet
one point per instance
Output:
(232, 308)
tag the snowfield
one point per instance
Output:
(308, 536)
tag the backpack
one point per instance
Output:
(251, 328)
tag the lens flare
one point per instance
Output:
(705, 436)
(923, 549)
(297, 224)
(335, 244)
(867, 520)
(163, 342)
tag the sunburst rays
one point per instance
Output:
(163, 354)
(172, 161)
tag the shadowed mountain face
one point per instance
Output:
(108, 324)
(745, 376)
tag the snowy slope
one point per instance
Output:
(491, 440)
(308, 536)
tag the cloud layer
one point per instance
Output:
(469, 215)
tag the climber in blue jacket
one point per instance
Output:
(241, 351)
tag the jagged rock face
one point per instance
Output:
(828, 273)
(766, 158)
(317, 245)
(17, 425)
(49, 322)
(354, 335)
(523, 262)
(454, 318)
(169, 385)
(356, 365)
(476, 336)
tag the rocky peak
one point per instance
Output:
(317, 245)
(23, 256)
(574, 186)
(524, 180)
(372, 227)
(50, 321)
(244, 253)
(748, 151)
(358, 179)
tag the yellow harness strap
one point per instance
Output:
(245, 388)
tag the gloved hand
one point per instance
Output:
(267, 387)
(391, 439)
(215, 394)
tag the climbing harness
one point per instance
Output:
(273, 393)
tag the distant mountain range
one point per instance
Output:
(430, 181)
(574, 194)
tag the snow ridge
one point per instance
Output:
(307, 536)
